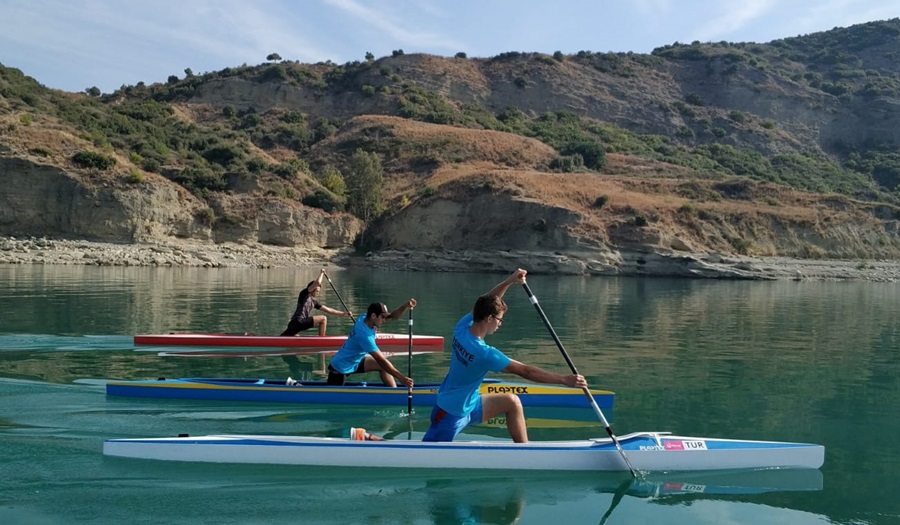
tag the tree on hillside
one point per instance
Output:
(369, 56)
(333, 180)
(365, 185)
(188, 72)
(93, 91)
(273, 57)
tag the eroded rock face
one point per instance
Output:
(484, 222)
(490, 231)
(45, 200)
(278, 222)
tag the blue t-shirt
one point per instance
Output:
(471, 359)
(360, 342)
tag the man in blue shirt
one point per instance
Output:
(359, 352)
(459, 402)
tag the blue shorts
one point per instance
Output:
(445, 427)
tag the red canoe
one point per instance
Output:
(384, 340)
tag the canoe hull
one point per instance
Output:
(650, 452)
(384, 340)
(271, 390)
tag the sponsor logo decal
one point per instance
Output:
(507, 389)
(686, 445)
(683, 487)
(673, 445)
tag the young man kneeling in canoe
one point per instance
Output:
(306, 301)
(359, 352)
(459, 402)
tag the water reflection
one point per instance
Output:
(807, 361)
(328, 495)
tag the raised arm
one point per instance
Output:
(396, 314)
(517, 277)
(317, 281)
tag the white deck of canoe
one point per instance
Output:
(592, 455)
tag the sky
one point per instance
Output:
(73, 45)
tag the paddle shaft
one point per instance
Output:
(586, 391)
(409, 365)
(339, 297)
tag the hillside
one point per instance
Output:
(611, 163)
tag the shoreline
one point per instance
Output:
(186, 253)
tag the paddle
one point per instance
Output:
(617, 498)
(339, 296)
(586, 391)
(409, 366)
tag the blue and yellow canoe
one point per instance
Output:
(354, 393)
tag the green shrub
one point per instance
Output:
(684, 132)
(694, 99)
(324, 200)
(567, 163)
(151, 165)
(687, 208)
(224, 154)
(333, 180)
(199, 179)
(135, 176)
(90, 159)
(737, 116)
(40, 151)
(206, 216)
(256, 165)
(592, 153)
(739, 244)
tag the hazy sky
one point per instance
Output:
(76, 44)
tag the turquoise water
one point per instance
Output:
(790, 361)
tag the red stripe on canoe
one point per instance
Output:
(300, 341)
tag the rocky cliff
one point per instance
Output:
(45, 200)
(588, 163)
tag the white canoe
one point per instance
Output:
(647, 452)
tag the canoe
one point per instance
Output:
(647, 452)
(275, 341)
(237, 352)
(354, 393)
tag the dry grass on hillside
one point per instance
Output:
(46, 140)
(456, 72)
(43, 134)
(630, 195)
(488, 146)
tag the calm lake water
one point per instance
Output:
(790, 361)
